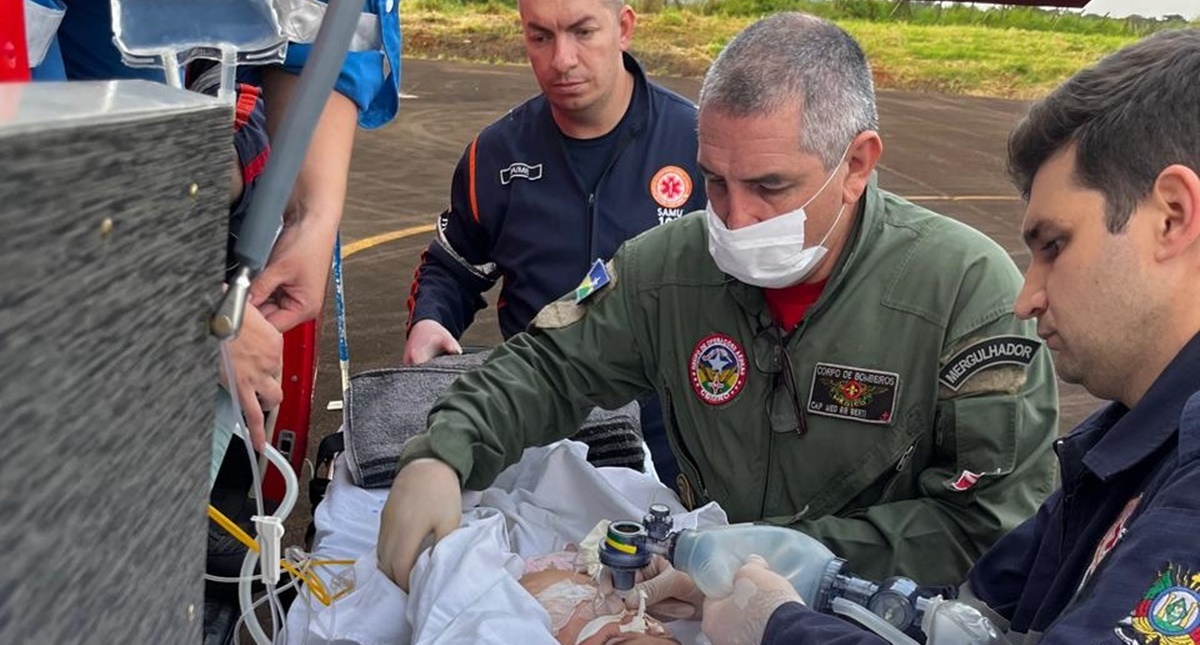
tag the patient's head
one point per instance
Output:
(580, 615)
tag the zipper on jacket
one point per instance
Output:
(591, 225)
(762, 507)
(801, 409)
(906, 457)
(591, 214)
(675, 437)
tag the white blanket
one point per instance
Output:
(465, 590)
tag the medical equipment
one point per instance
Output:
(712, 557)
(147, 37)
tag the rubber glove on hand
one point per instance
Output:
(670, 593)
(425, 500)
(741, 617)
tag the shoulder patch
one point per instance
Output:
(1168, 613)
(982, 354)
(596, 279)
(572, 307)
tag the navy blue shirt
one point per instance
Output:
(520, 214)
(1113, 556)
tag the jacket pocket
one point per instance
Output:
(985, 434)
(885, 487)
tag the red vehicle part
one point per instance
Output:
(14, 56)
(292, 420)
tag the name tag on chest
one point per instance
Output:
(854, 393)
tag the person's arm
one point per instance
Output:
(794, 623)
(992, 462)
(291, 288)
(535, 388)
(994, 586)
(539, 386)
(455, 269)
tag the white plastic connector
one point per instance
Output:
(270, 534)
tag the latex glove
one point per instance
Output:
(425, 500)
(741, 617)
(670, 593)
(291, 288)
(257, 357)
(427, 339)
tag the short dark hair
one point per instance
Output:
(1130, 116)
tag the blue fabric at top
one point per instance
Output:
(369, 78)
(51, 67)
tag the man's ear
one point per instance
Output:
(861, 158)
(1175, 198)
(626, 20)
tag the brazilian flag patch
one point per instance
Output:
(1168, 613)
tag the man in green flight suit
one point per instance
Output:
(830, 357)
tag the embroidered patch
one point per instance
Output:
(718, 369)
(520, 170)
(570, 308)
(853, 393)
(671, 187)
(1168, 613)
(965, 480)
(989, 352)
(595, 280)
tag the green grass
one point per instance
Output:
(1019, 53)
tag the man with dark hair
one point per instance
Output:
(830, 357)
(558, 183)
(1110, 166)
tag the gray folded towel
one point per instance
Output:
(388, 406)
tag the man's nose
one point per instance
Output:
(1031, 300)
(565, 54)
(742, 210)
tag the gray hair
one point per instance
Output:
(614, 5)
(1130, 116)
(791, 58)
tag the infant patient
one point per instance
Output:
(580, 613)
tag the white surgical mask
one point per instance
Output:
(771, 253)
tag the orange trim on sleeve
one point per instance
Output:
(471, 168)
(411, 303)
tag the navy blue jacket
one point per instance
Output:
(1111, 557)
(519, 213)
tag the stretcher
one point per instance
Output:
(465, 589)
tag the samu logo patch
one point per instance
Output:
(718, 369)
(1167, 614)
(855, 393)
